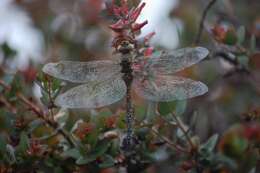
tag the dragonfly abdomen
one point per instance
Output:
(128, 78)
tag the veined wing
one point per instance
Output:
(81, 72)
(176, 60)
(169, 88)
(93, 94)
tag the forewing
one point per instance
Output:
(173, 61)
(81, 72)
(169, 88)
(93, 95)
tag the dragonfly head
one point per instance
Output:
(125, 47)
(124, 44)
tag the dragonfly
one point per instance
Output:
(104, 82)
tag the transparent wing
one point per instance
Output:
(170, 62)
(93, 95)
(169, 88)
(81, 72)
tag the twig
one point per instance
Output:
(169, 142)
(238, 67)
(7, 104)
(204, 15)
(183, 130)
(38, 111)
(32, 106)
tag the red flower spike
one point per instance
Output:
(122, 10)
(128, 17)
(124, 7)
(29, 74)
(118, 26)
(144, 41)
(138, 26)
(148, 37)
(134, 15)
(126, 27)
(116, 11)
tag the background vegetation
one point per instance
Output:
(216, 133)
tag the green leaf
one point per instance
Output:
(228, 162)
(24, 143)
(99, 150)
(241, 33)
(165, 108)
(231, 38)
(140, 112)
(243, 60)
(105, 113)
(91, 138)
(239, 144)
(83, 160)
(211, 143)
(107, 161)
(73, 153)
(56, 85)
(178, 107)
(10, 154)
(44, 98)
(121, 121)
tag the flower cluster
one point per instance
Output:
(127, 18)
(126, 27)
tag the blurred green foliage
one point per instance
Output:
(218, 132)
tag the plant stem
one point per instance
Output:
(179, 124)
(204, 15)
(7, 104)
(168, 141)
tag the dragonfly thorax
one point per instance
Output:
(127, 70)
